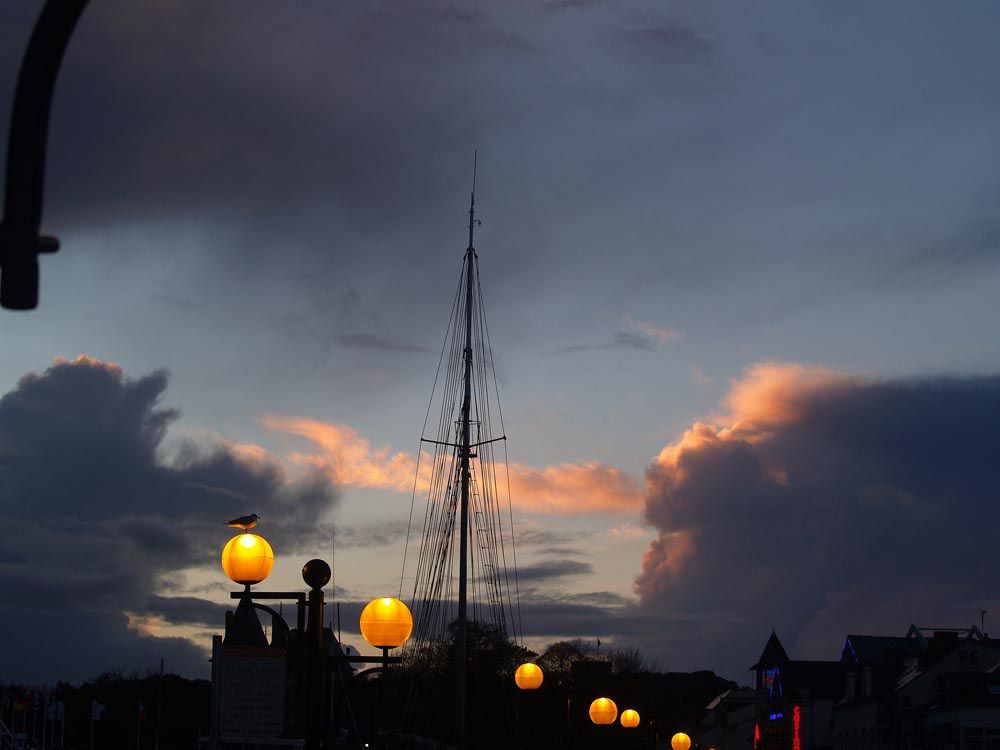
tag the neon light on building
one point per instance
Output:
(796, 724)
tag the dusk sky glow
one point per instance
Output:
(740, 267)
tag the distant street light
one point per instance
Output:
(630, 718)
(247, 559)
(529, 676)
(680, 741)
(604, 711)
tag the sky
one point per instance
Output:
(740, 267)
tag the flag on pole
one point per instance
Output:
(96, 711)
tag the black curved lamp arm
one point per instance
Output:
(24, 190)
(275, 617)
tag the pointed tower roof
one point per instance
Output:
(773, 654)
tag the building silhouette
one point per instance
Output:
(932, 689)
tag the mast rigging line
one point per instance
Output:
(493, 573)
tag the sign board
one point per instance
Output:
(252, 692)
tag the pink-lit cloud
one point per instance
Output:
(348, 458)
(569, 488)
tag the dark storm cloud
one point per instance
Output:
(268, 110)
(828, 503)
(312, 132)
(95, 520)
(186, 610)
(82, 645)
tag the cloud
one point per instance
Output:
(640, 335)
(325, 320)
(553, 569)
(814, 504)
(625, 533)
(618, 340)
(533, 533)
(371, 341)
(669, 43)
(573, 488)
(347, 458)
(569, 488)
(628, 340)
(658, 333)
(186, 610)
(224, 118)
(95, 521)
(374, 534)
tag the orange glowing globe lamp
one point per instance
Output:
(247, 559)
(680, 741)
(386, 623)
(630, 718)
(603, 711)
(529, 676)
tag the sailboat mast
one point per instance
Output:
(466, 456)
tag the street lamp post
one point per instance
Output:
(386, 623)
(655, 727)
(528, 676)
(630, 720)
(316, 574)
(567, 684)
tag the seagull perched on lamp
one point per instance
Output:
(244, 522)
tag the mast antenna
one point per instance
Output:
(473, 221)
